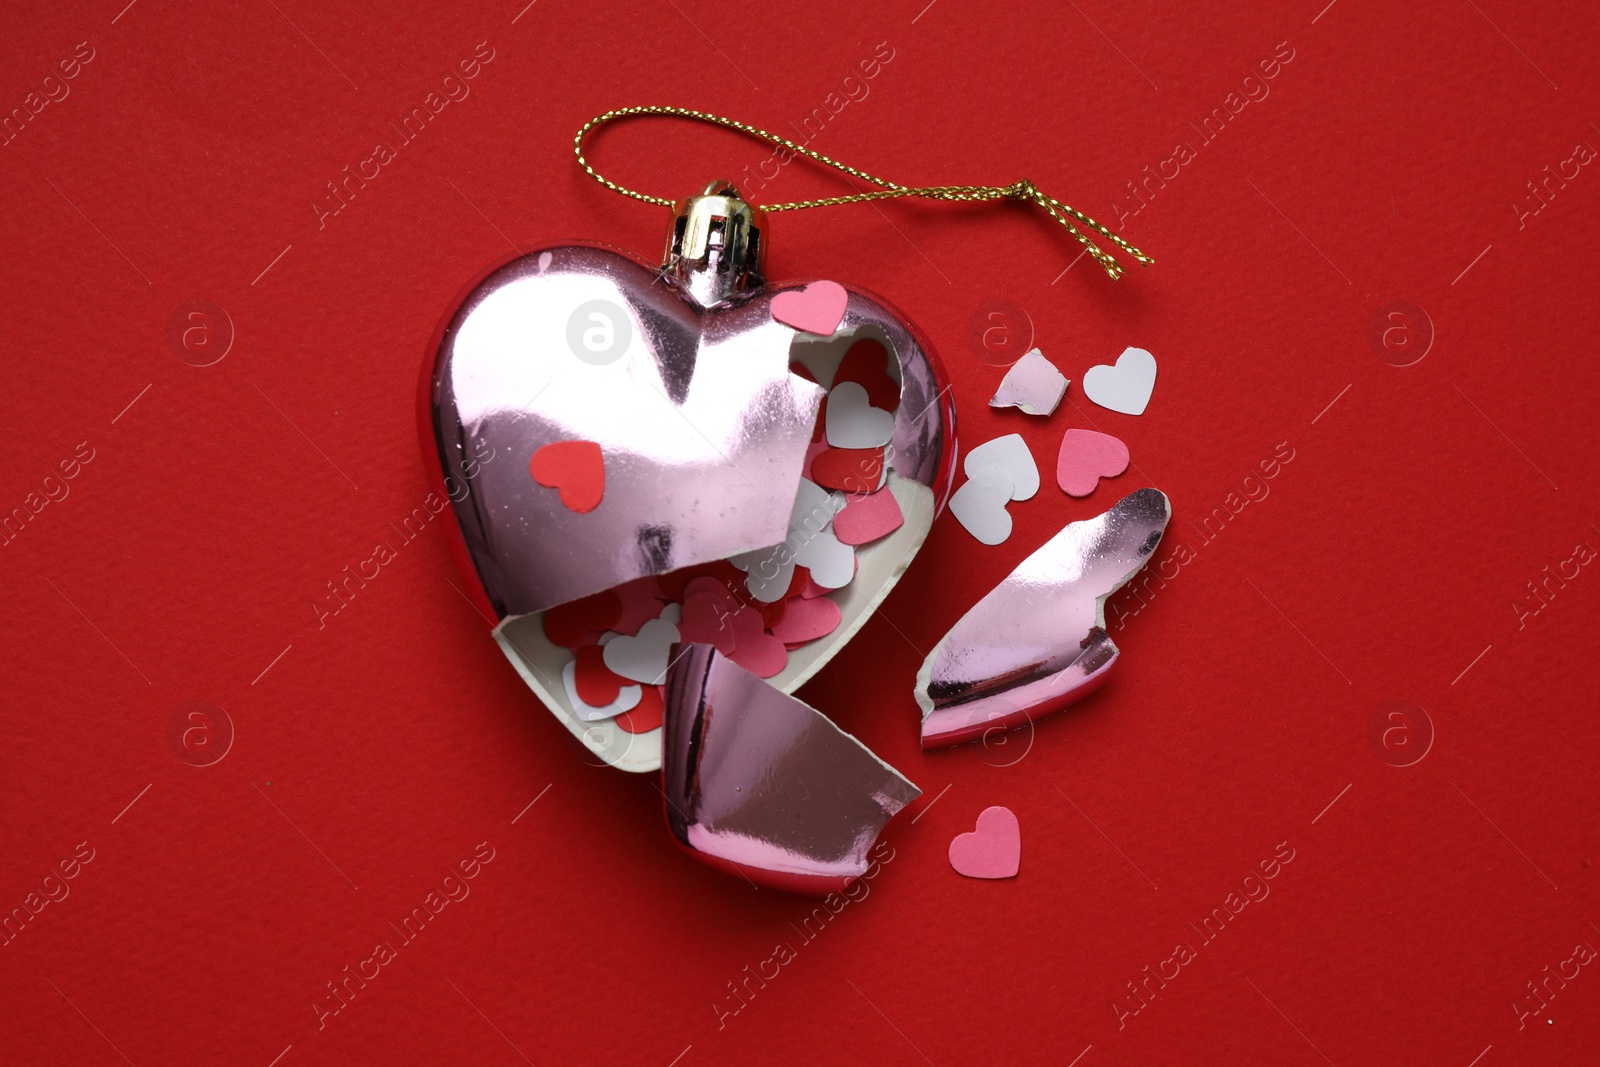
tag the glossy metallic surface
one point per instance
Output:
(702, 426)
(1037, 641)
(759, 783)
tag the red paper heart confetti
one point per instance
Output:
(646, 715)
(993, 850)
(568, 624)
(867, 518)
(867, 364)
(576, 468)
(854, 470)
(597, 684)
(818, 308)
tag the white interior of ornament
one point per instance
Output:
(879, 566)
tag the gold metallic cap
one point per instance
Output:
(715, 247)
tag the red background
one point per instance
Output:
(380, 750)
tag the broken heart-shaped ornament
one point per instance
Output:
(696, 387)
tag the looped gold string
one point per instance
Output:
(1023, 190)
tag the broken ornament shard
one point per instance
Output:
(758, 783)
(1037, 641)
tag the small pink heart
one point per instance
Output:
(818, 308)
(806, 620)
(753, 648)
(993, 850)
(867, 518)
(1085, 458)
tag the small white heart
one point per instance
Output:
(832, 563)
(642, 658)
(1005, 459)
(980, 506)
(852, 420)
(1124, 387)
(767, 572)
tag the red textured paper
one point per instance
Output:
(377, 741)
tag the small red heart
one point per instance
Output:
(867, 364)
(597, 684)
(576, 468)
(854, 470)
(646, 715)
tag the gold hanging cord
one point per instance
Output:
(1020, 190)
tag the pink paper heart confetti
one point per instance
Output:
(867, 518)
(1087, 456)
(807, 620)
(753, 648)
(993, 850)
(818, 308)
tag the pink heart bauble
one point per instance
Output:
(818, 308)
(689, 395)
(993, 850)
(1087, 456)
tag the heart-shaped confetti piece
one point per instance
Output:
(818, 308)
(643, 658)
(853, 470)
(998, 472)
(1125, 386)
(576, 468)
(807, 620)
(993, 850)
(627, 697)
(867, 518)
(1087, 456)
(852, 421)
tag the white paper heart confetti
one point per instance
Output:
(1124, 387)
(852, 421)
(1006, 457)
(643, 658)
(998, 472)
